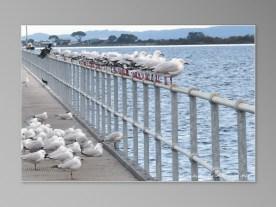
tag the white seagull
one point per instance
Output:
(28, 133)
(170, 68)
(68, 115)
(72, 164)
(34, 157)
(61, 154)
(92, 151)
(33, 145)
(54, 143)
(114, 137)
(41, 117)
(75, 147)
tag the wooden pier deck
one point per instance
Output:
(36, 99)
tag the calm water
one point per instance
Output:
(228, 70)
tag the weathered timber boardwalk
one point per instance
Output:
(36, 99)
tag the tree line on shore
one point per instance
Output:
(130, 39)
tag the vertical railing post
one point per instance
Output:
(135, 119)
(215, 137)
(97, 105)
(109, 103)
(174, 111)
(242, 146)
(103, 102)
(82, 84)
(78, 81)
(193, 134)
(93, 96)
(124, 97)
(146, 125)
(116, 120)
(71, 86)
(75, 76)
(158, 132)
(86, 112)
(88, 92)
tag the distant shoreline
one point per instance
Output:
(150, 46)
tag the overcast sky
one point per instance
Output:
(68, 29)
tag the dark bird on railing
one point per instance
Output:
(44, 81)
(44, 52)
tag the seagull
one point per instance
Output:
(61, 154)
(59, 132)
(41, 117)
(69, 136)
(32, 120)
(33, 145)
(75, 147)
(80, 136)
(54, 143)
(29, 133)
(34, 125)
(92, 151)
(170, 68)
(67, 115)
(23, 131)
(87, 144)
(34, 157)
(72, 164)
(114, 137)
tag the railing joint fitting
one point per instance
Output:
(212, 96)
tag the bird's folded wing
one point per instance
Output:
(67, 164)
(165, 68)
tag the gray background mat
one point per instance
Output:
(14, 13)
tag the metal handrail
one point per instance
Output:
(81, 88)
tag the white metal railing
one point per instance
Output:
(86, 90)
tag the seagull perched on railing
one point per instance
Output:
(45, 51)
(170, 68)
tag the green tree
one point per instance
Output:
(112, 38)
(54, 38)
(195, 36)
(127, 38)
(78, 35)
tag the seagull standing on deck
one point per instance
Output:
(72, 164)
(114, 137)
(68, 115)
(34, 157)
(92, 151)
(42, 117)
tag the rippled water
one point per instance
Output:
(228, 70)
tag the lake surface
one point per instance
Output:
(226, 69)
